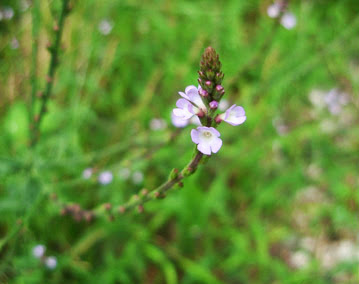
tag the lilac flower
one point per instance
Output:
(288, 20)
(38, 251)
(185, 109)
(192, 94)
(273, 10)
(51, 262)
(105, 177)
(235, 115)
(87, 173)
(207, 139)
(179, 122)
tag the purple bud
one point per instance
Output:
(208, 83)
(199, 81)
(200, 73)
(219, 88)
(213, 104)
(203, 93)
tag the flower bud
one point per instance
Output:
(213, 104)
(218, 119)
(203, 93)
(219, 88)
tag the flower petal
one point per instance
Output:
(232, 120)
(182, 94)
(216, 145)
(204, 148)
(215, 131)
(195, 136)
(191, 90)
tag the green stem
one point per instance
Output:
(54, 49)
(35, 31)
(159, 192)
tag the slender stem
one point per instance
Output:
(35, 43)
(54, 49)
(159, 192)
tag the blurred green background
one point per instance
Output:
(279, 203)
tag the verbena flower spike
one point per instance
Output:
(197, 105)
(204, 101)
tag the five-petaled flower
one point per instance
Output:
(207, 139)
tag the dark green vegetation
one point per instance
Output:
(278, 203)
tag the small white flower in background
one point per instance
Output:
(124, 173)
(105, 177)
(178, 122)
(299, 259)
(235, 115)
(316, 97)
(223, 105)
(288, 20)
(335, 101)
(137, 177)
(207, 139)
(14, 43)
(273, 10)
(157, 124)
(38, 251)
(8, 13)
(87, 173)
(105, 27)
(280, 126)
(51, 262)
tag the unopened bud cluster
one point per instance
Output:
(203, 103)
(77, 213)
(211, 76)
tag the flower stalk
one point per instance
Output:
(201, 102)
(54, 62)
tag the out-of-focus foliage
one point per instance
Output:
(279, 203)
